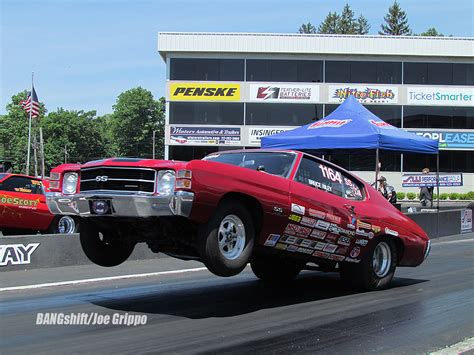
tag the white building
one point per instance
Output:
(227, 90)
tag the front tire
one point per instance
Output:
(226, 241)
(101, 247)
(273, 270)
(376, 270)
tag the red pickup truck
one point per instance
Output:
(278, 210)
(23, 207)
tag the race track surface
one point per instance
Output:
(191, 311)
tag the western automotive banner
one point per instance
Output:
(366, 94)
(204, 136)
(271, 92)
(256, 133)
(443, 96)
(450, 140)
(203, 92)
(419, 180)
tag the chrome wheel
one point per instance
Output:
(231, 237)
(66, 225)
(382, 259)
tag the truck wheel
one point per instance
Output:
(100, 246)
(64, 225)
(376, 269)
(226, 241)
(275, 270)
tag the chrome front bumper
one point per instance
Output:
(178, 203)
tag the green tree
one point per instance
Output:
(396, 22)
(345, 23)
(432, 32)
(136, 115)
(307, 28)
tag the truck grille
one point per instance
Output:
(118, 179)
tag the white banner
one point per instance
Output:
(366, 94)
(256, 133)
(466, 221)
(443, 96)
(274, 92)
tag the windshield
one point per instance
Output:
(276, 163)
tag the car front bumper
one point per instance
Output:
(178, 203)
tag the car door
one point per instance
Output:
(322, 220)
(23, 204)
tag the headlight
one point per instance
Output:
(70, 183)
(166, 180)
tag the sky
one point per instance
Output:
(85, 53)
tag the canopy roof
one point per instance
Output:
(351, 126)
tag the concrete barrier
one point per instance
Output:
(444, 223)
(50, 250)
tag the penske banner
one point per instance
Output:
(204, 92)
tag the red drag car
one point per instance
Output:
(278, 210)
(23, 207)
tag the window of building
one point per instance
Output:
(309, 71)
(389, 113)
(327, 178)
(207, 69)
(438, 117)
(438, 73)
(22, 184)
(449, 162)
(221, 113)
(363, 72)
(282, 114)
(364, 160)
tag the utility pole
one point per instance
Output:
(42, 152)
(65, 153)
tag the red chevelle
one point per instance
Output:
(23, 207)
(278, 210)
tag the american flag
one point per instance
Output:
(31, 103)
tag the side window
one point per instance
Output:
(22, 184)
(321, 176)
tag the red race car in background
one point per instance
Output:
(23, 207)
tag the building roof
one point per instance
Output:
(455, 48)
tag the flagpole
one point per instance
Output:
(29, 129)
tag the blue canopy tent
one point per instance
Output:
(352, 126)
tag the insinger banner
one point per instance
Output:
(299, 93)
(204, 92)
(204, 135)
(419, 180)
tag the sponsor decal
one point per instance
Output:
(344, 241)
(376, 229)
(363, 233)
(351, 226)
(17, 254)
(347, 232)
(334, 229)
(351, 260)
(305, 250)
(332, 238)
(280, 246)
(454, 96)
(292, 248)
(284, 93)
(321, 254)
(362, 242)
(204, 92)
(466, 221)
(288, 239)
(355, 252)
(391, 232)
(381, 124)
(278, 210)
(294, 218)
(332, 218)
(272, 240)
(328, 124)
(297, 230)
(365, 94)
(318, 234)
(449, 139)
(363, 225)
(204, 135)
(336, 257)
(19, 202)
(322, 225)
(342, 250)
(256, 133)
(319, 185)
(330, 248)
(307, 221)
(420, 180)
(307, 243)
(317, 214)
(298, 209)
(319, 245)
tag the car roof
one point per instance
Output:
(4, 176)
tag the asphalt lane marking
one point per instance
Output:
(457, 348)
(99, 279)
(453, 242)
